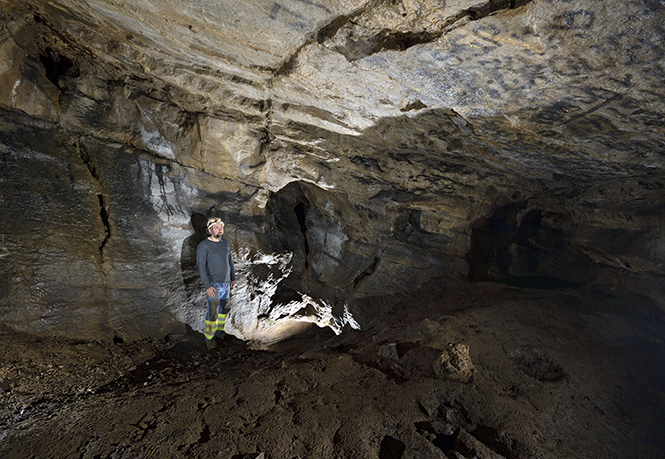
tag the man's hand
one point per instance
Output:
(210, 291)
(233, 284)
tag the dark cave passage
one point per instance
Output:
(301, 214)
(527, 248)
(313, 224)
(57, 66)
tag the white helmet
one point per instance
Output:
(214, 221)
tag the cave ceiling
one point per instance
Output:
(573, 78)
(408, 128)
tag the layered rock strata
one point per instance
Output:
(376, 144)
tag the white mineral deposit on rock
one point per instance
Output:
(256, 317)
(153, 140)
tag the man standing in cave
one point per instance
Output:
(213, 258)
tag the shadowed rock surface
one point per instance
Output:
(366, 155)
(381, 144)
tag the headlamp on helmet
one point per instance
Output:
(214, 221)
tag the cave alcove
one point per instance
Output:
(525, 246)
(314, 225)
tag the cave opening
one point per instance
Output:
(309, 222)
(57, 66)
(301, 214)
(489, 255)
(527, 247)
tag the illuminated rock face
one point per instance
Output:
(377, 144)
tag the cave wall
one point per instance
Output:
(381, 145)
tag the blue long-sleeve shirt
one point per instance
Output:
(214, 262)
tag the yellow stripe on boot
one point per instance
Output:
(211, 327)
(221, 322)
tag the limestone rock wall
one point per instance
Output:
(376, 144)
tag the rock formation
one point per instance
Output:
(375, 144)
(488, 173)
(455, 364)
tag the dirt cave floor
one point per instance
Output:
(559, 373)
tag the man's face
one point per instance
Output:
(217, 230)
